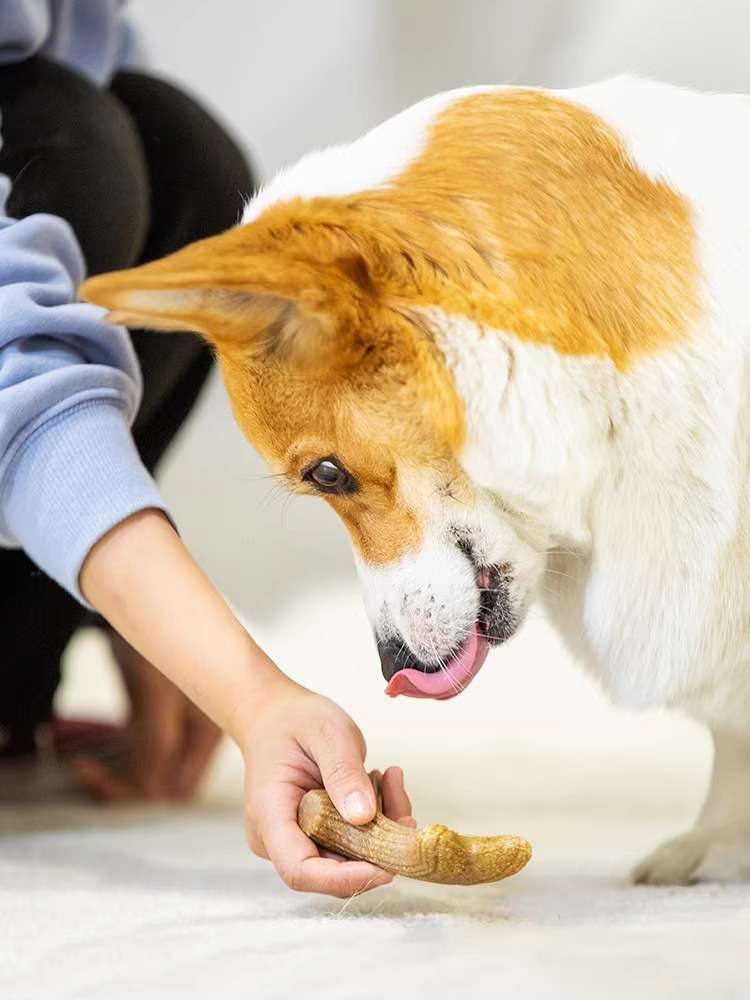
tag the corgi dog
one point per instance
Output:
(506, 336)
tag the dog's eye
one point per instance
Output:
(329, 476)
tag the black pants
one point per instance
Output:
(138, 170)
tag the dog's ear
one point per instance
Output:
(237, 294)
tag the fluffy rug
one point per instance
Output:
(170, 904)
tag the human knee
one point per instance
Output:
(198, 172)
(73, 151)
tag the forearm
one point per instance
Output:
(143, 580)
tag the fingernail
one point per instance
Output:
(356, 806)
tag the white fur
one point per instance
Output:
(368, 163)
(634, 486)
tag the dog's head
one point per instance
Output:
(348, 398)
(321, 311)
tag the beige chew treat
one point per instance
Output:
(432, 854)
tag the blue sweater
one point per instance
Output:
(69, 383)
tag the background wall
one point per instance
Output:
(292, 75)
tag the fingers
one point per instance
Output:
(399, 806)
(376, 777)
(396, 803)
(101, 783)
(339, 752)
(254, 839)
(297, 859)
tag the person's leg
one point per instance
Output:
(146, 163)
(199, 179)
(71, 150)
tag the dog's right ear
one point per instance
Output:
(263, 302)
(225, 290)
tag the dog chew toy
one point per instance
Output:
(432, 854)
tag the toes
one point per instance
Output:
(674, 863)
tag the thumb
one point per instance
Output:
(340, 758)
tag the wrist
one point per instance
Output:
(266, 687)
(144, 581)
(261, 683)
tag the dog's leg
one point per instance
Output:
(718, 847)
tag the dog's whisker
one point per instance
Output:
(285, 506)
(557, 572)
(441, 664)
(261, 477)
(456, 685)
(566, 552)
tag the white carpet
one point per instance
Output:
(163, 904)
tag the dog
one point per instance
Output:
(505, 335)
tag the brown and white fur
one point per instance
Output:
(519, 321)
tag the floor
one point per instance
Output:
(103, 903)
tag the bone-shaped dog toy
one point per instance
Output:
(433, 853)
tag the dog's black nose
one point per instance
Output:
(395, 655)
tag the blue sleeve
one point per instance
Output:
(24, 27)
(92, 37)
(69, 390)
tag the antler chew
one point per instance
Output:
(432, 854)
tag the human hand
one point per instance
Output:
(295, 741)
(143, 580)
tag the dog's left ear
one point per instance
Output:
(236, 293)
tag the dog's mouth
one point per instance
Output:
(446, 680)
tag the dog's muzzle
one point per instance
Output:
(407, 674)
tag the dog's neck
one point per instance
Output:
(539, 425)
(613, 465)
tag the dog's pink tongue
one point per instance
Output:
(445, 683)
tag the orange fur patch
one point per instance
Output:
(523, 213)
(548, 230)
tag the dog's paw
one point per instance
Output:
(674, 862)
(701, 855)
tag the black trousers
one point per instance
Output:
(138, 170)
